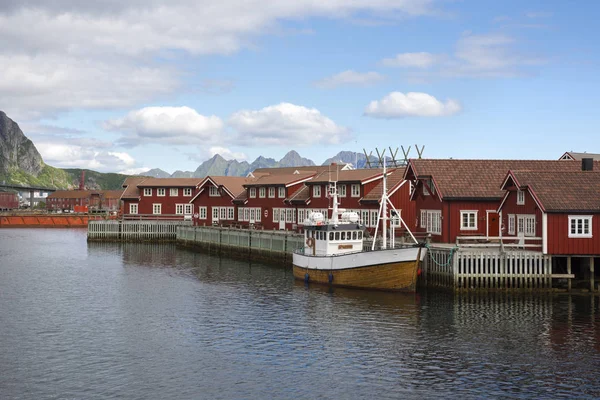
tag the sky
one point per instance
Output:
(126, 86)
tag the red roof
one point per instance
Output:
(169, 182)
(351, 175)
(577, 191)
(479, 179)
(395, 178)
(84, 194)
(280, 179)
(233, 184)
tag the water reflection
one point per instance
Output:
(139, 320)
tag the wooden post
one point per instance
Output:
(592, 274)
(569, 272)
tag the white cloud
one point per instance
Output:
(475, 56)
(286, 124)
(350, 78)
(415, 60)
(65, 54)
(170, 125)
(412, 104)
(67, 155)
(227, 153)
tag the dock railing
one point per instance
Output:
(506, 242)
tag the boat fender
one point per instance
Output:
(330, 278)
(306, 277)
(310, 242)
(419, 272)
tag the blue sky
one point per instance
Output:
(128, 86)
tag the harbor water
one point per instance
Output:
(85, 320)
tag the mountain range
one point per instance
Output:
(21, 163)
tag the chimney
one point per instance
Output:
(587, 164)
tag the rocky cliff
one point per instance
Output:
(17, 153)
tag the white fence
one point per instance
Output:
(134, 230)
(461, 268)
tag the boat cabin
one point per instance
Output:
(322, 238)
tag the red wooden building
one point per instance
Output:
(9, 200)
(263, 203)
(562, 209)
(213, 202)
(84, 200)
(457, 198)
(159, 198)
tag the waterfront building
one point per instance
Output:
(9, 200)
(213, 202)
(457, 198)
(84, 200)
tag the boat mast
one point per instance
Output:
(384, 207)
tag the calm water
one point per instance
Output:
(135, 321)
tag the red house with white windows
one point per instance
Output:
(263, 203)
(562, 209)
(159, 198)
(458, 198)
(213, 201)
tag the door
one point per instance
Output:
(493, 224)
(215, 215)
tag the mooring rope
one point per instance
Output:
(448, 261)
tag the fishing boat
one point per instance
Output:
(334, 254)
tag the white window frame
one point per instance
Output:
(187, 192)
(253, 193)
(202, 214)
(231, 213)
(213, 191)
(156, 208)
(133, 208)
(258, 214)
(364, 217)
(355, 190)
(511, 224)
(161, 192)
(373, 217)
(271, 192)
(147, 191)
(471, 224)
(262, 192)
(526, 225)
(178, 209)
(275, 215)
(342, 190)
(173, 192)
(434, 222)
(215, 214)
(317, 191)
(581, 228)
(425, 190)
(281, 193)
(423, 221)
(520, 197)
(222, 213)
(188, 209)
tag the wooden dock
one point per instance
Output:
(159, 231)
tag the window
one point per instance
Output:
(364, 216)
(281, 194)
(253, 192)
(316, 191)
(337, 236)
(231, 213)
(526, 225)
(187, 192)
(156, 209)
(188, 209)
(520, 197)
(289, 215)
(423, 223)
(343, 236)
(301, 216)
(276, 215)
(202, 212)
(173, 192)
(355, 190)
(133, 208)
(373, 217)
(147, 191)
(271, 192)
(213, 191)
(179, 209)
(262, 192)
(434, 222)
(342, 190)
(161, 192)
(468, 220)
(215, 213)
(580, 226)
(511, 224)
(425, 191)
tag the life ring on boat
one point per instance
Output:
(310, 242)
